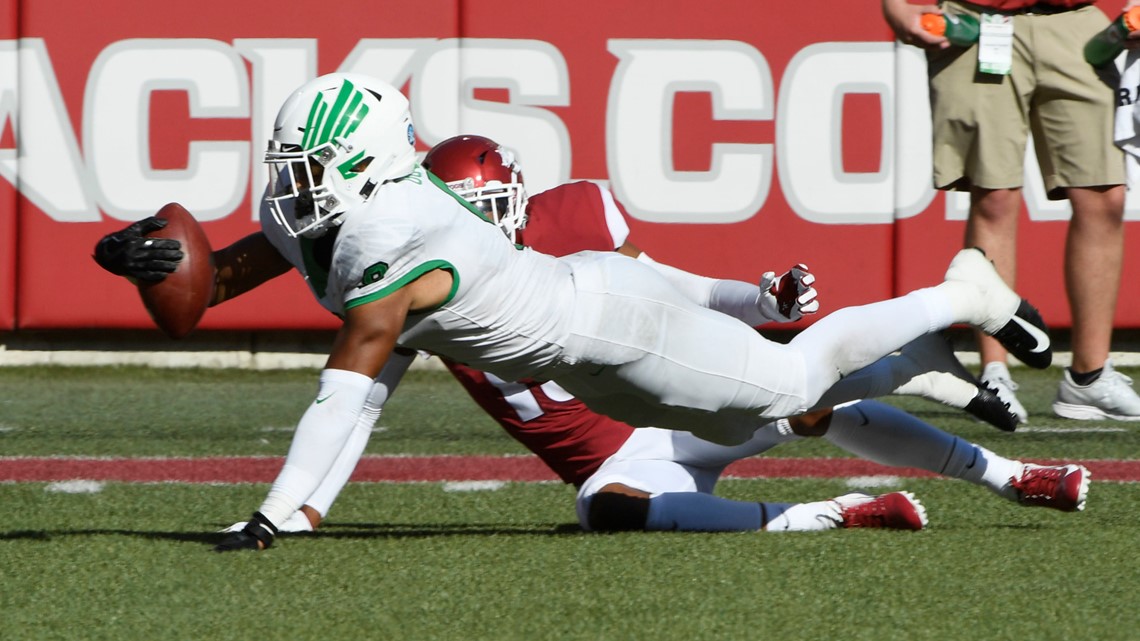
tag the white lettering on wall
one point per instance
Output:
(116, 124)
(51, 171)
(914, 186)
(277, 67)
(534, 74)
(640, 125)
(809, 133)
(113, 172)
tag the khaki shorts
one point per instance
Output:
(980, 121)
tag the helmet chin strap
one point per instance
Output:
(367, 189)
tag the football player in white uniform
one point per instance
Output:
(652, 479)
(405, 262)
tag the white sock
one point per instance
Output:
(945, 303)
(943, 387)
(998, 472)
(296, 523)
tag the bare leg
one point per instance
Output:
(1094, 254)
(992, 226)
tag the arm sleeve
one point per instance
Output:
(733, 297)
(333, 482)
(321, 435)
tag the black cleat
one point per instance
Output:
(257, 535)
(1027, 337)
(987, 407)
(238, 541)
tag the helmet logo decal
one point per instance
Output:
(348, 167)
(340, 119)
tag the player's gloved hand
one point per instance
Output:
(257, 535)
(298, 522)
(130, 253)
(788, 297)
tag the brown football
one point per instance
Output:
(178, 302)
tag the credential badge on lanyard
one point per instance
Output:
(995, 44)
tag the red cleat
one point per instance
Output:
(1061, 487)
(897, 511)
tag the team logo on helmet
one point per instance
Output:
(339, 119)
(336, 139)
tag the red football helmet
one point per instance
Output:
(485, 174)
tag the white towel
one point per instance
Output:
(1127, 132)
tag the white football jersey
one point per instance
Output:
(610, 329)
(509, 308)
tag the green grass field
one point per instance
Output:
(414, 561)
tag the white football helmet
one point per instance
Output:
(485, 174)
(336, 139)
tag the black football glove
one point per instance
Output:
(130, 253)
(257, 534)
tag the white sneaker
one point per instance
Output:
(996, 377)
(1003, 314)
(1109, 396)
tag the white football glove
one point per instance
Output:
(788, 297)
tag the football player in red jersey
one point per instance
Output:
(653, 479)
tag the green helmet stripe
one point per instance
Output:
(346, 167)
(341, 119)
(335, 114)
(357, 118)
(316, 115)
(351, 117)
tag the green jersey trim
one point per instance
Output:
(466, 205)
(459, 199)
(418, 271)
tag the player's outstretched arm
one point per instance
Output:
(245, 265)
(781, 299)
(309, 517)
(132, 253)
(361, 349)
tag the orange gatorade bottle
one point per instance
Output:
(960, 30)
